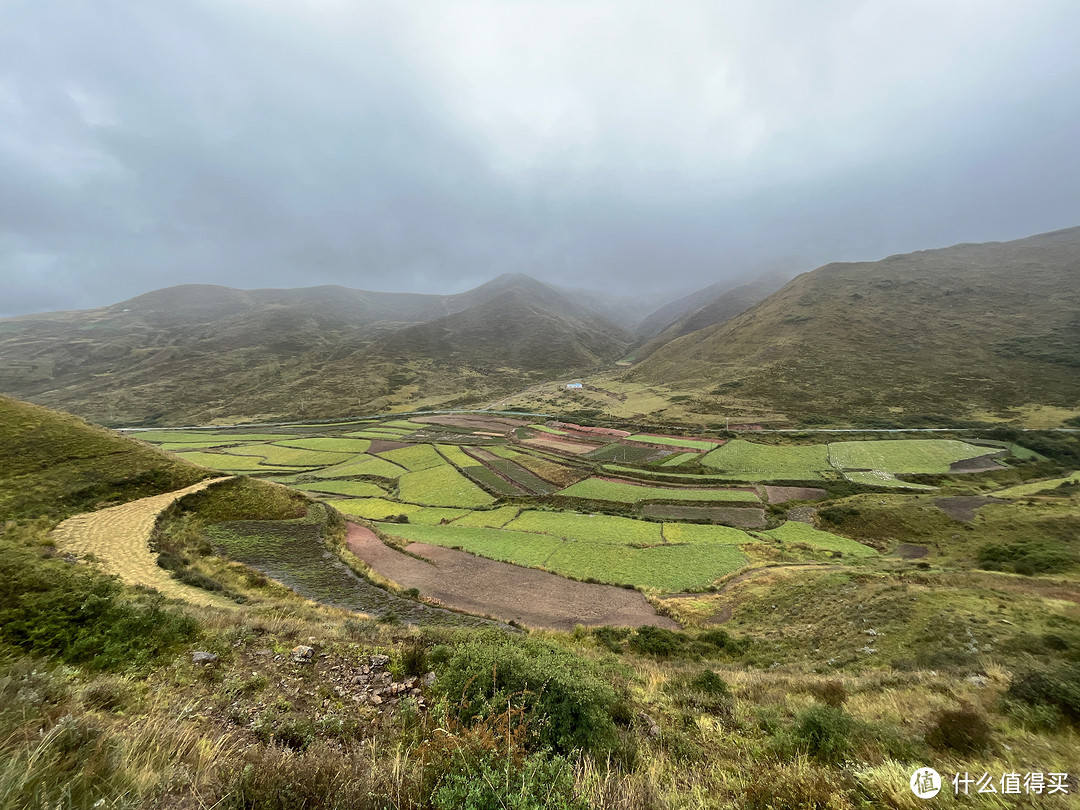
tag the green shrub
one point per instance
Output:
(823, 732)
(831, 693)
(291, 729)
(414, 660)
(71, 611)
(663, 643)
(964, 730)
(1027, 558)
(1057, 687)
(611, 637)
(538, 782)
(566, 704)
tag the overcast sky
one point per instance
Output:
(429, 146)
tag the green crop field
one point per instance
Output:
(1024, 490)
(795, 532)
(558, 474)
(490, 518)
(291, 456)
(375, 508)
(697, 444)
(339, 445)
(456, 456)
(200, 436)
(181, 446)
(415, 457)
(879, 478)
(670, 477)
(589, 528)
(696, 533)
(230, 463)
(502, 451)
(546, 429)
(679, 458)
(377, 434)
(665, 568)
(902, 455)
(441, 486)
(363, 465)
(598, 489)
(405, 424)
(519, 475)
(355, 489)
(491, 481)
(628, 454)
(765, 462)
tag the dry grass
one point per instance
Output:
(118, 538)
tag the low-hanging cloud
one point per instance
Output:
(429, 146)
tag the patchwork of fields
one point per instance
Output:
(658, 512)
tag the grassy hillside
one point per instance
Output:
(200, 353)
(716, 310)
(57, 465)
(971, 330)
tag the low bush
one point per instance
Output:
(1027, 558)
(1056, 687)
(964, 730)
(831, 693)
(52, 607)
(662, 643)
(823, 732)
(564, 701)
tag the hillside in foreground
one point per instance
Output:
(978, 330)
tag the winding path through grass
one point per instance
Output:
(118, 538)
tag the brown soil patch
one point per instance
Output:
(963, 507)
(908, 551)
(978, 464)
(560, 445)
(119, 540)
(802, 514)
(784, 494)
(533, 598)
(739, 517)
(382, 445)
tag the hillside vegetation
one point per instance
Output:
(967, 331)
(55, 464)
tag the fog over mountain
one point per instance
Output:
(429, 147)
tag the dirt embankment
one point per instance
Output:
(529, 597)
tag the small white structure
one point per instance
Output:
(574, 385)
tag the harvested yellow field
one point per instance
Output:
(119, 540)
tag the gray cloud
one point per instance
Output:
(429, 146)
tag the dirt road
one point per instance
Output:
(118, 538)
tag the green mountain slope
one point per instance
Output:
(197, 353)
(55, 464)
(959, 331)
(718, 309)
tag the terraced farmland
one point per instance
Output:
(602, 489)
(658, 525)
(764, 462)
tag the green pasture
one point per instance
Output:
(628, 454)
(489, 519)
(355, 489)
(490, 480)
(552, 431)
(502, 451)
(334, 445)
(879, 478)
(456, 456)
(200, 436)
(181, 446)
(795, 532)
(229, 463)
(765, 462)
(675, 533)
(677, 441)
(382, 509)
(362, 465)
(665, 568)
(415, 457)
(279, 456)
(589, 528)
(522, 477)
(441, 486)
(900, 456)
(679, 458)
(597, 489)
(1024, 490)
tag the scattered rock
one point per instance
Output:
(302, 654)
(203, 658)
(978, 680)
(379, 662)
(651, 727)
(429, 679)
